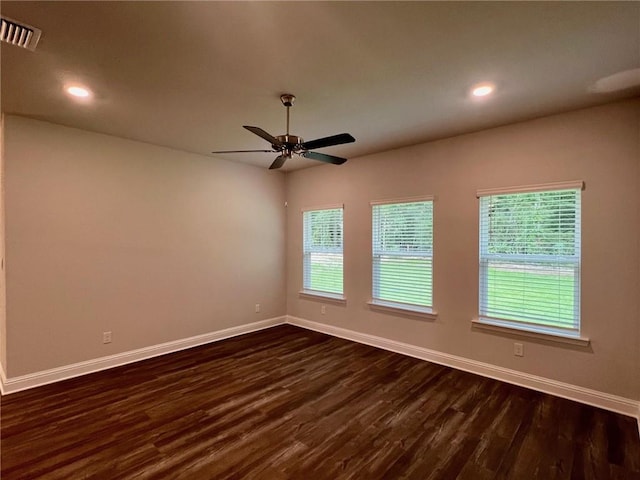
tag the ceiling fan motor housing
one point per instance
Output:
(290, 141)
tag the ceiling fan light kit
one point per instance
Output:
(287, 145)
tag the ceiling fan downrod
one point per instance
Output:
(289, 141)
(287, 100)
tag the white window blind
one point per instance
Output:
(403, 252)
(322, 246)
(530, 259)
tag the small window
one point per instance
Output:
(530, 260)
(403, 254)
(322, 246)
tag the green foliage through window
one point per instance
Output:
(322, 245)
(403, 252)
(537, 223)
(530, 258)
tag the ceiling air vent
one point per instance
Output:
(19, 34)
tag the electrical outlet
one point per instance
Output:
(257, 308)
(518, 350)
(323, 309)
(106, 337)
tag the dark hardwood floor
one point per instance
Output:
(287, 403)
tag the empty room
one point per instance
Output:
(320, 240)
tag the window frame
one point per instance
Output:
(531, 327)
(391, 306)
(306, 291)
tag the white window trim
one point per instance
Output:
(422, 198)
(538, 331)
(541, 187)
(323, 296)
(403, 308)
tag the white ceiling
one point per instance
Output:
(188, 75)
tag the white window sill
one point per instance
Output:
(403, 308)
(323, 296)
(545, 333)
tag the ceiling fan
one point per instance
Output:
(287, 145)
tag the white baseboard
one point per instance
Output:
(607, 401)
(32, 380)
(595, 398)
(3, 379)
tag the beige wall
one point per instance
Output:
(152, 244)
(158, 245)
(598, 145)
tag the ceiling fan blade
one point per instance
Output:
(328, 141)
(278, 162)
(262, 134)
(242, 151)
(324, 158)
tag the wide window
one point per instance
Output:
(322, 246)
(530, 258)
(403, 253)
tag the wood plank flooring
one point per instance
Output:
(287, 403)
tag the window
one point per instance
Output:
(322, 246)
(403, 254)
(530, 259)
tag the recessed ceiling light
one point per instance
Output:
(482, 90)
(79, 92)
